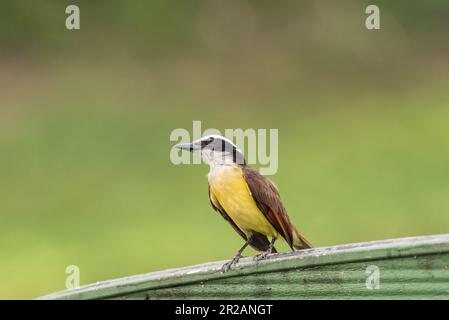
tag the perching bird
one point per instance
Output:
(245, 198)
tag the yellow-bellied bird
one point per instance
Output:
(245, 198)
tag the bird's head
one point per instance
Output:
(215, 150)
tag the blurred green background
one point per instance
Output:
(85, 119)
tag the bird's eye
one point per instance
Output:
(206, 142)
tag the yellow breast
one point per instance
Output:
(229, 188)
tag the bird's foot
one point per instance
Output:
(229, 264)
(263, 255)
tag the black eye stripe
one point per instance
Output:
(219, 145)
(206, 142)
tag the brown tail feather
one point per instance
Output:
(299, 242)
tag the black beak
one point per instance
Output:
(187, 146)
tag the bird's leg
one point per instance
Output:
(263, 255)
(236, 258)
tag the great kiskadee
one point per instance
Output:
(245, 198)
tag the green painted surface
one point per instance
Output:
(408, 268)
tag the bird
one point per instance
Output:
(245, 198)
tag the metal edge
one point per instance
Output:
(365, 251)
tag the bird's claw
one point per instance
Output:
(262, 255)
(229, 264)
(226, 267)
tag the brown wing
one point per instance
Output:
(269, 202)
(257, 240)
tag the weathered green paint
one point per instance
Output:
(410, 268)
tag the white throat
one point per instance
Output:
(217, 158)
